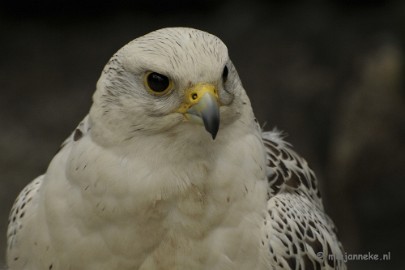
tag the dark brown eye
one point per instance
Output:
(157, 84)
(225, 74)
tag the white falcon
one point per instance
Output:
(170, 170)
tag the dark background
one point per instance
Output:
(329, 73)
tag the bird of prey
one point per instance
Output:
(170, 170)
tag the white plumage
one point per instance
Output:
(141, 185)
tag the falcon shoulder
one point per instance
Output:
(26, 234)
(298, 232)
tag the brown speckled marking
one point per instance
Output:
(77, 135)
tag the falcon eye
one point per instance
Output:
(157, 84)
(225, 74)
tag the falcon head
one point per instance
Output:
(174, 80)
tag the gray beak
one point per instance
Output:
(206, 112)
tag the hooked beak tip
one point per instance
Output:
(211, 123)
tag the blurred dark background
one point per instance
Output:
(328, 73)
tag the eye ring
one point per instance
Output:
(157, 84)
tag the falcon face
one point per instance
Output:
(168, 80)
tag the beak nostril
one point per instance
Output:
(194, 96)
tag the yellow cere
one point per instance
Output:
(195, 93)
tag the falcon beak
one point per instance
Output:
(201, 106)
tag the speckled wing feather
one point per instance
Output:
(298, 233)
(23, 210)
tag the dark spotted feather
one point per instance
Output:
(297, 231)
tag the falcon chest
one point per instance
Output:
(201, 213)
(213, 223)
